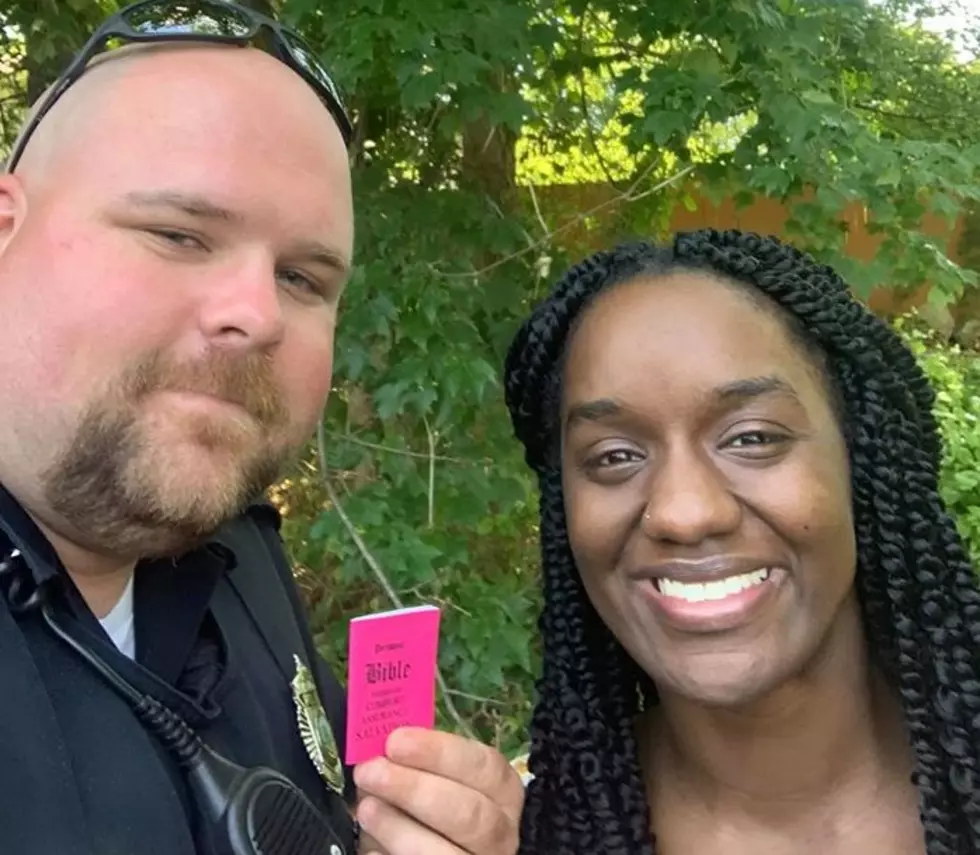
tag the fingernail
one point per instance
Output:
(367, 774)
(399, 741)
(392, 742)
(364, 811)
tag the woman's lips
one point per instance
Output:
(716, 605)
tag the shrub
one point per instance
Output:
(955, 374)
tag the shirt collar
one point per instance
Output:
(23, 533)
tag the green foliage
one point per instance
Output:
(459, 106)
(419, 450)
(955, 374)
(818, 104)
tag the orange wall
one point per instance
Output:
(767, 216)
(562, 204)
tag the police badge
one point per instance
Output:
(315, 730)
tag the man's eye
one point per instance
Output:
(177, 238)
(295, 279)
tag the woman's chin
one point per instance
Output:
(724, 680)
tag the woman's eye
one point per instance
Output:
(762, 440)
(614, 457)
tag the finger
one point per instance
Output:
(399, 834)
(470, 819)
(459, 759)
(366, 844)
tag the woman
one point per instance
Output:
(761, 629)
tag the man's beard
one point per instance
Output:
(126, 495)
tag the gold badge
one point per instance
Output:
(315, 730)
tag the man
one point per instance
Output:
(175, 233)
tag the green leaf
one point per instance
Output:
(817, 96)
(390, 399)
(663, 124)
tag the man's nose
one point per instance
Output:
(242, 307)
(690, 500)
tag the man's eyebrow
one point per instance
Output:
(320, 253)
(754, 387)
(187, 203)
(593, 411)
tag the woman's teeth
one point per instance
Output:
(698, 592)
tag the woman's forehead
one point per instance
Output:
(682, 329)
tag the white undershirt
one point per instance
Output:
(119, 622)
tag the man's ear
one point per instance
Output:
(13, 208)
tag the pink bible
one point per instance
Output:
(391, 675)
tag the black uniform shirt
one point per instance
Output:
(79, 774)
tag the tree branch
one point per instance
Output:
(432, 472)
(488, 701)
(891, 114)
(405, 452)
(537, 213)
(589, 130)
(628, 196)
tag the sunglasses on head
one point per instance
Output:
(196, 21)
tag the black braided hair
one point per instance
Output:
(918, 594)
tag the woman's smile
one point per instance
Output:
(689, 599)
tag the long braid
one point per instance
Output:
(917, 589)
(583, 674)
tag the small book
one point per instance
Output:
(391, 676)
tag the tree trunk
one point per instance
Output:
(488, 152)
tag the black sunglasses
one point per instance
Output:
(196, 21)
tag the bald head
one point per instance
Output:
(60, 124)
(132, 84)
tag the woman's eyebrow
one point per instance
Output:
(593, 411)
(739, 391)
(735, 392)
